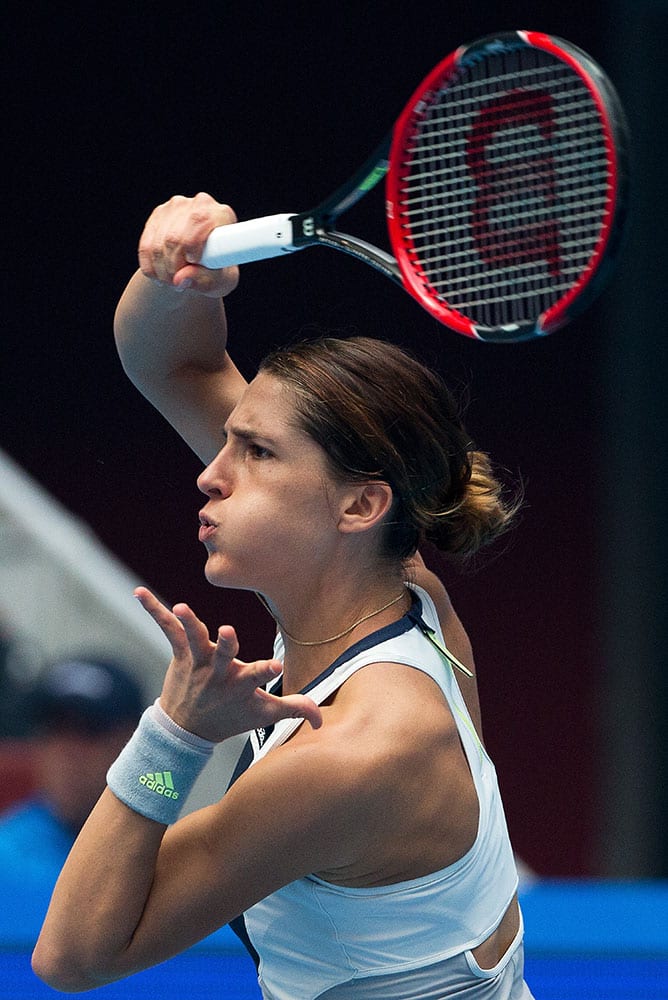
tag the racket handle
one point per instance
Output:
(241, 242)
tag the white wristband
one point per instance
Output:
(155, 772)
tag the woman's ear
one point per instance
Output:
(364, 506)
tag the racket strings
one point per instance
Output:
(504, 187)
(439, 160)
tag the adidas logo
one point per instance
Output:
(160, 782)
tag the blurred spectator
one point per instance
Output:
(12, 723)
(80, 714)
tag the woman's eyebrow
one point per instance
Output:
(247, 433)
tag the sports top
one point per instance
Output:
(313, 936)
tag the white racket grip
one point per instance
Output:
(242, 242)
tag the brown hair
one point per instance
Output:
(380, 414)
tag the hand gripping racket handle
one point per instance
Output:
(242, 242)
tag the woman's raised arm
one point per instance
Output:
(170, 324)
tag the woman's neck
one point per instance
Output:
(324, 629)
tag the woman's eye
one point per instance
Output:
(258, 451)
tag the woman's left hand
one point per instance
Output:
(207, 690)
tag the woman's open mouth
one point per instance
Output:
(207, 527)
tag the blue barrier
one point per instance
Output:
(585, 940)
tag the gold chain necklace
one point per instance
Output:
(332, 638)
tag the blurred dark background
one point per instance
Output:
(109, 110)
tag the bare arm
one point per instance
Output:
(170, 325)
(133, 891)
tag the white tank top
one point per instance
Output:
(313, 936)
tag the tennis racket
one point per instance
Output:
(506, 191)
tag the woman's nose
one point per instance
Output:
(212, 480)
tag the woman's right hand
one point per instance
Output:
(173, 240)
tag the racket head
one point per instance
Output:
(507, 186)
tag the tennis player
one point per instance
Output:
(364, 846)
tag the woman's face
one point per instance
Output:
(273, 507)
